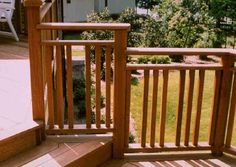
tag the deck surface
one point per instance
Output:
(174, 160)
(15, 96)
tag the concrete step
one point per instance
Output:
(72, 151)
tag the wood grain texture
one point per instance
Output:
(180, 107)
(59, 88)
(225, 91)
(231, 121)
(84, 26)
(88, 86)
(69, 86)
(145, 108)
(98, 84)
(127, 107)
(154, 107)
(163, 107)
(49, 80)
(189, 107)
(179, 51)
(119, 93)
(108, 86)
(199, 106)
(215, 105)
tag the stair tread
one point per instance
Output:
(59, 151)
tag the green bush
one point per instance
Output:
(131, 138)
(134, 81)
(177, 58)
(143, 60)
(160, 60)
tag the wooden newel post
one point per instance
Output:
(224, 101)
(119, 92)
(35, 56)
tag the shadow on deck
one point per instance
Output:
(174, 160)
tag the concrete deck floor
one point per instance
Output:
(15, 95)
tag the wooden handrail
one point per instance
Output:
(173, 67)
(77, 42)
(84, 26)
(180, 51)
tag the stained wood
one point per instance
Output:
(199, 106)
(59, 88)
(119, 95)
(46, 8)
(49, 80)
(154, 107)
(69, 86)
(225, 91)
(135, 148)
(108, 86)
(163, 107)
(127, 107)
(145, 108)
(180, 107)
(215, 103)
(88, 86)
(79, 42)
(231, 121)
(173, 67)
(189, 107)
(179, 51)
(98, 85)
(84, 26)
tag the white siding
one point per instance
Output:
(117, 6)
(77, 10)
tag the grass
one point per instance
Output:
(172, 104)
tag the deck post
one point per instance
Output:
(227, 62)
(119, 92)
(35, 56)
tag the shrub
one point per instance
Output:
(176, 58)
(143, 60)
(160, 60)
(131, 138)
(134, 81)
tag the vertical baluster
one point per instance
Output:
(127, 107)
(231, 114)
(180, 107)
(69, 86)
(189, 106)
(88, 86)
(145, 108)
(59, 88)
(215, 102)
(98, 85)
(163, 107)
(199, 106)
(49, 79)
(154, 107)
(108, 86)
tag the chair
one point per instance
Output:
(6, 12)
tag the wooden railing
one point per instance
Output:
(220, 101)
(52, 87)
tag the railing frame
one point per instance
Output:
(37, 75)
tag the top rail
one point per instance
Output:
(180, 51)
(84, 26)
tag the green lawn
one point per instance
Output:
(136, 107)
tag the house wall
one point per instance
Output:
(117, 6)
(77, 10)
